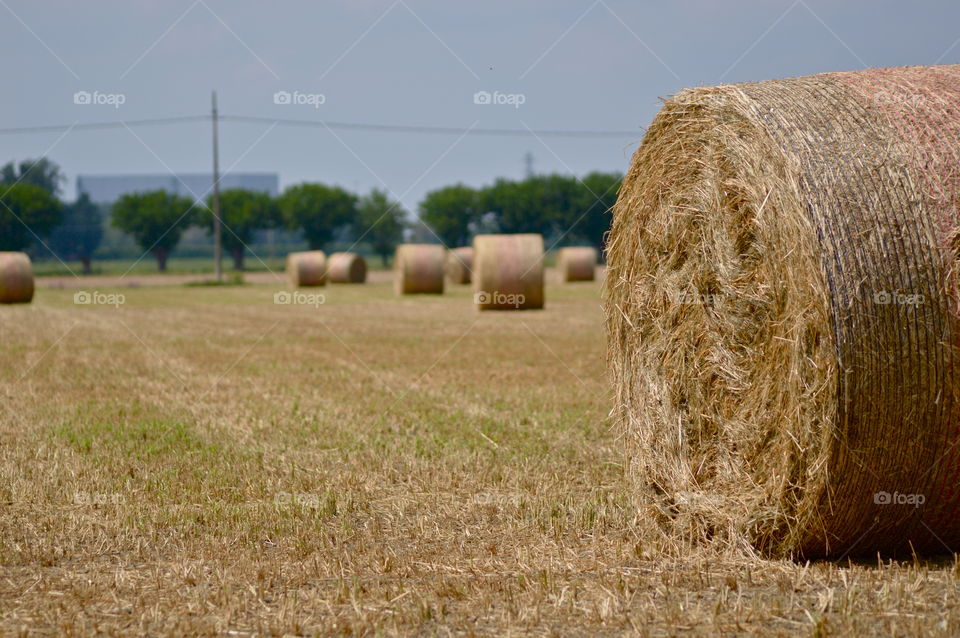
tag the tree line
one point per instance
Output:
(566, 208)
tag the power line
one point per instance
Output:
(76, 126)
(442, 130)
(335, 125)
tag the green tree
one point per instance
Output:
(380, 222)
(450, 212)
(318, 210)
(39, 172)
(528, 206)
(79, 236)
(596, 195)
(156, 219)
(26, 211)
(243, 212)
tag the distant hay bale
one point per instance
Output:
(459, 265)
(418, 268)
(782, 315)
(307, 269)
(508, 272)
(347, 268)
(16, 278)
(577, 263)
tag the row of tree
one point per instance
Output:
(558, 206)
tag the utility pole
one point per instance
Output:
(528, 164)
(217, 242)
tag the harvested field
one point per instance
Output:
(213, 463)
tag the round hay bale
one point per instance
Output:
(577, 263)
(307, 269)
(347, 268)
(508, 272)
(782, 315)
(460, 265)
(16, 278)
(418, 268)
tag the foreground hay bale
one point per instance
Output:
(508, 272)
(16, 278)
(460, 265)
(782, 314)
(577, 263)
(307, 269)
(418, 268)
(347, 268)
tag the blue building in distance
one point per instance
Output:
(106, 189)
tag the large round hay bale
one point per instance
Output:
(16, 278)
(347, 268)
(307, 269)
(508, 272)
(577, 263)
(418, 268)
(782, 314)
(460, 265)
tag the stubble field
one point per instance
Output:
(202, 460)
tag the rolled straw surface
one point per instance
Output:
(782, 314)
(307, 269)
(347, 268)
(459, 265)
(577, 263)
(418, 268)
(16, 278)
(508, 272)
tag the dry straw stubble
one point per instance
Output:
(419, 268)
(16, 278)
(508, 272)
(782, 314)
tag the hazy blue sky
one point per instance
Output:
(579, 64)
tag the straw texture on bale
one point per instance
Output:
(460, 265)
(307, 269)
(419, 268)
(16, 278)
(347, 268)
(577, 263)
(782, 313)
(508, 272)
